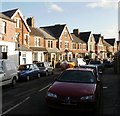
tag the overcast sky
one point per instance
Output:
(98, 16)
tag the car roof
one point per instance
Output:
(81, 69)
(25, 64)
(89, 65)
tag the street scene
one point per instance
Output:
(60, 58)
(29, 97)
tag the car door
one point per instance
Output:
(49, 67)
(36, 70)
(31, 71)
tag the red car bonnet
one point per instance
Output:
(72, 89)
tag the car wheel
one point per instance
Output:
(13, 82)
(38, 75)
(46, 74)
(27, 78)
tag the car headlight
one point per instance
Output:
(49, 94)
(85, 98)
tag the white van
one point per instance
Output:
(78, 61)
(8, 72)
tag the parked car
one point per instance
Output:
(45, 68)
(107, 64)
(28, 71)
(97, 72)
(8, 72)
(78, 61)
(98, 63)
(67, 64)
(75, 89)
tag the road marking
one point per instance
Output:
(105, 87)
(15, 106)
(44, 87)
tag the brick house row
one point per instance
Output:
(24, 43)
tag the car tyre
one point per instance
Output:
(13, 82)
(46, 74)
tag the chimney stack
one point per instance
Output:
(30, 21)
(76, 32)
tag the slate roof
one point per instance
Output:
(110, 41)
(10, 13)
(46, 35)
(106, 43)
(23, 48)
(5, 17)
(55, 30)
(36, 31)
(76, 39)
(85, 36)
(97, 37)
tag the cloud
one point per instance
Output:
(103, 4)
(54, 7)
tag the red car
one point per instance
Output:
(75, 89)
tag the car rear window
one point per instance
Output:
(40, 64)
(23, 67)
(77, 76)
(95, 62)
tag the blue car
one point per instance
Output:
(28, 71)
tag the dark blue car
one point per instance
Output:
(28, 71)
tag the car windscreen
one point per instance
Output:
(77, 76)
(40, 64)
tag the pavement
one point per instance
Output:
(111, 93)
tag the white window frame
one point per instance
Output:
(26, 42)
(17, 22)
(66, 44)
(74, 46)
(51, 44)
(37, 42)
(3, 27)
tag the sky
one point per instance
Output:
(97, 16)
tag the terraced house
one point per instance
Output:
(88, 38)
(100, 49)
(79, 47)
(24, 43)
(64, 40)
(7, 38)
(22, 31)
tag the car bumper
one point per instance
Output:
(77, 106)
(21, 77)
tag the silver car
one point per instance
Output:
(97, 72)
(45, 68)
